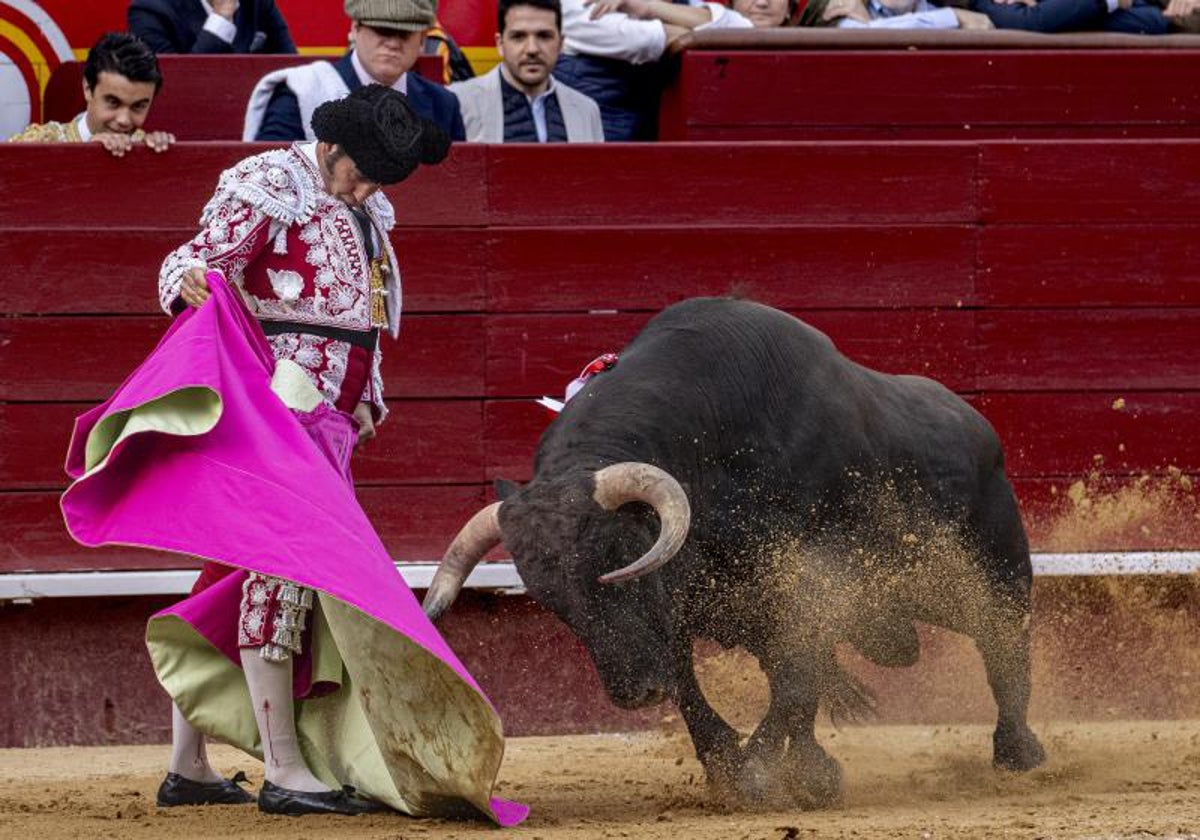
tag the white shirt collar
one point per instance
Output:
(85, 133)
(366, 79)
(309, 150)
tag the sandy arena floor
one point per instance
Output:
(1103, 780)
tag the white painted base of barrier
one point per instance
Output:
(503, 576)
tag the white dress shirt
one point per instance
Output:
(217, 25)
(366, 78)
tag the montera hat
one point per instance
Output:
(382, 134)
(412, 15)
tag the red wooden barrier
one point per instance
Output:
(1067, 350)
(1148, 263)
(438, 356)
(203, 97)
(47, 186)
(412, 520)
(1034, 292)
(410, 448)
(43, 269)
(929, 86)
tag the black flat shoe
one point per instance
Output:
(177, 790)
(273, 799)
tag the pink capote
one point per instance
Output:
(254, 492)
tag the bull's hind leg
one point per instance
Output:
(1003, 639)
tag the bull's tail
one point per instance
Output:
(847, 698)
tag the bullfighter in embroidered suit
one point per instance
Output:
(233, 443)
(318, 273)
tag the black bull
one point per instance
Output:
(804, 501)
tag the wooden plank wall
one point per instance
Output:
(1052, 282)
(877, 93)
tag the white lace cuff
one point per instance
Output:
(170, 279)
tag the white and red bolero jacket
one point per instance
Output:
(299, 257)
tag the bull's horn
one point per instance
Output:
(635, 482)
(479, 536)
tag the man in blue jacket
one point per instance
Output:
(210, 26)
(387, 37)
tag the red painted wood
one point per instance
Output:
(1088, 350)
(415, 523)
(70, 271)
(1055, 435)
(536, 355)
(437, 356)
(777, 184)
(421, 442)
(1071, 434)
(203, 97)
(923, 133)
(64, 359)
(1096, 265)
(511, 431)
(1156, 513)
(790, 267)
(425, 442)
(43, 186)
(978, 88)
(1081, 182)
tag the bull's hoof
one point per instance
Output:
(814, 779)
(749, 781)
(1016, 749)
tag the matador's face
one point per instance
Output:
(342, 179)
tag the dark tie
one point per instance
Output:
(364, 222)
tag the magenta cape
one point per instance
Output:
(195, 453)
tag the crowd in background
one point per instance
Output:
(569, 70)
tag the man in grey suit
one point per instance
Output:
(519, 101)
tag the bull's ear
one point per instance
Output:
(505, 488)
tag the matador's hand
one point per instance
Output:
(366, 423)
(195, 289)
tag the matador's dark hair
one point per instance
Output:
(124, 54)
(382, 134)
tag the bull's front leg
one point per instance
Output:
(717, 743)
(805, 772)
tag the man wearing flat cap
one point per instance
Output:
(386, 37)
(302, 234)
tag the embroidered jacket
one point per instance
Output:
(297, 254)
(59, 132)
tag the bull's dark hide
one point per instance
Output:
(829, 503)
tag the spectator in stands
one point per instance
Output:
(873, 14)
(1183, 15)
(1141, 17)
(120, 80)
(387, 38)
(612, 54)
(898, 14)
(210, 26)
(765, 13)
(519, 101)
